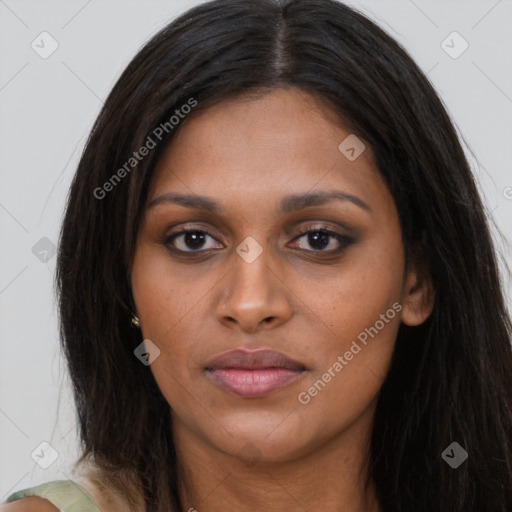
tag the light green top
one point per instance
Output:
(66, 495)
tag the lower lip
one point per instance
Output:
(253, 383)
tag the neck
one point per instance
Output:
(328, 475)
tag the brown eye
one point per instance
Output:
(320, 238)
(188, 240)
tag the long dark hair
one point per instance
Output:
(450, 379)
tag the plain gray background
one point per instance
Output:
(47, 107)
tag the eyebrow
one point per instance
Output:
(290, 203)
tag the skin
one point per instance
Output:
(272, 453)
(31, 504)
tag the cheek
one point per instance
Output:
(366, 283)
(164, 298)
(171, 307)
(362, 309)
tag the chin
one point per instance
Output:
(268, 440)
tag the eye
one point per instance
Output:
(321, 238)
(188, 240)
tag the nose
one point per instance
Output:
(255, 296)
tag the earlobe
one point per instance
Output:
(418, 298)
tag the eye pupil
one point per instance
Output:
(318, 238)
(194, 239)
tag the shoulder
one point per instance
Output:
(51, 496)
(106, 498)
(87, 488)
(29, 504)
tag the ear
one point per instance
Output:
(418, 293)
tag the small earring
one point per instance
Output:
(135, 321)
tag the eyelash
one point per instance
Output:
(343, 240)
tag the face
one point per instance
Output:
(293, 259)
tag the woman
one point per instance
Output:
(278, 290)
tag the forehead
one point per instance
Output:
(283, 142)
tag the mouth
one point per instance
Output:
(253, 374)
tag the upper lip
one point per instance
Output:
(253, 360)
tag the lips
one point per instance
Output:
(253, 374)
